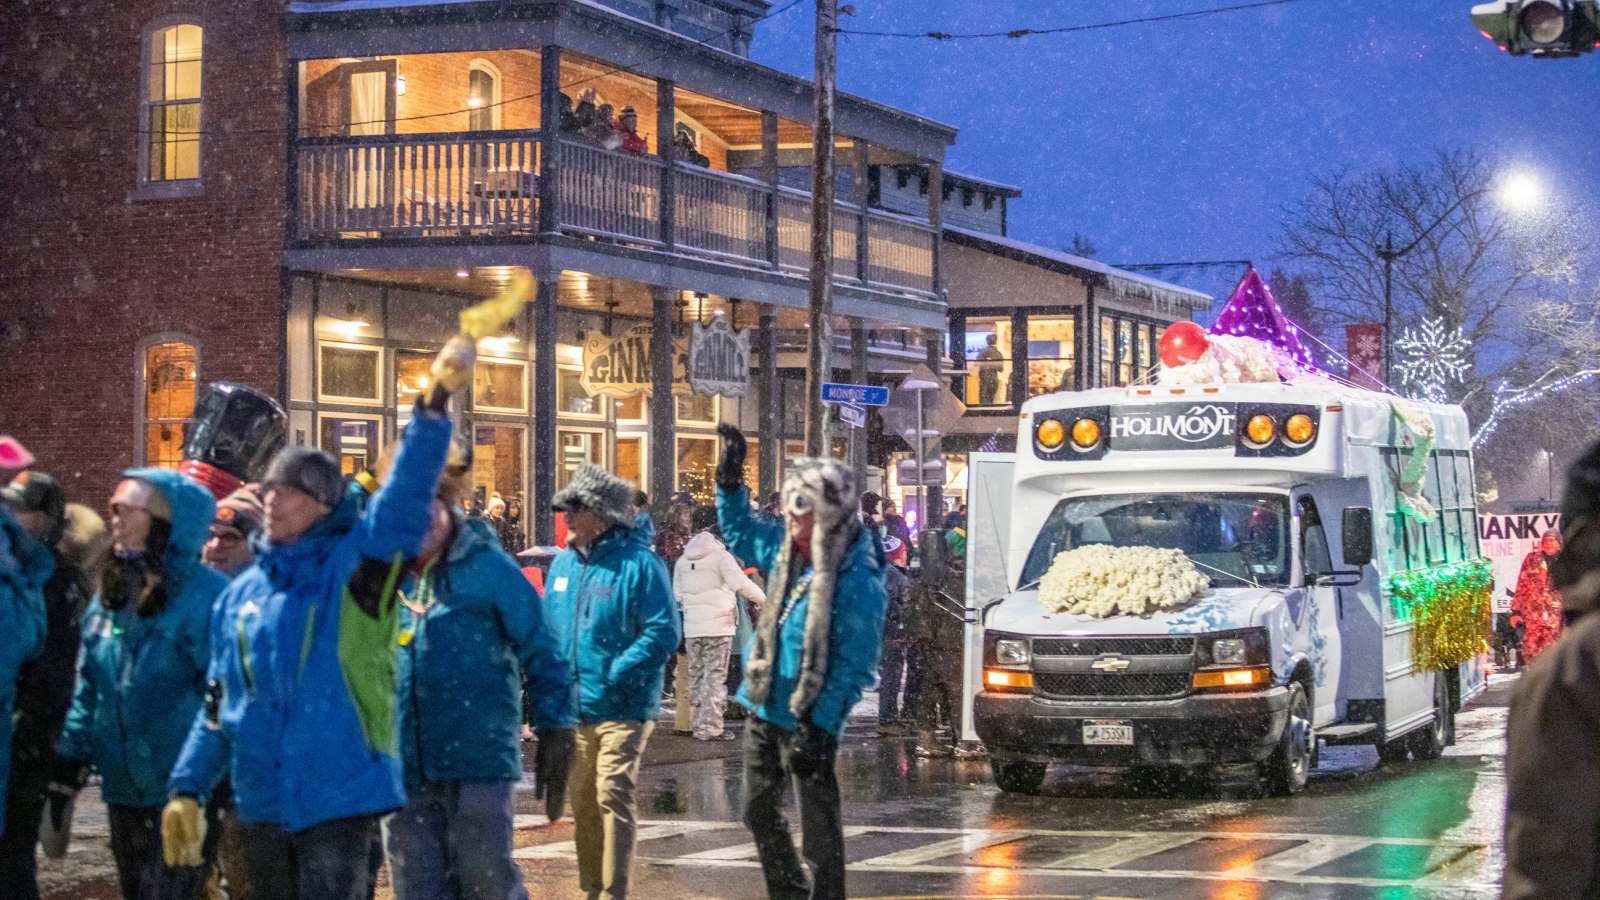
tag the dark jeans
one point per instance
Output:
(329, 861)
(141, 871)
(24, 807)
(940, 691)
(891, 674)
(766, 778)
(915, 678)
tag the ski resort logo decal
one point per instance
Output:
(1172, 426)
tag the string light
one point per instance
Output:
(1434, 358)
(1449, 611)
(1252, 312)
(1507, 398)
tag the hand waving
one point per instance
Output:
(730, 470)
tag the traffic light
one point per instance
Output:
(1543, 28)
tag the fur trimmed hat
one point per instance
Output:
(595, 489)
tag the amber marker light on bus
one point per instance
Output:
(1260, 430)
(1233, 678)
(1003, 678)
(1299, 429)
(1086, 433)
(1051, 433)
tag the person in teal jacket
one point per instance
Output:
(815, 649)
(142, 669)
(301, 707)
(611, 606)
(471, 629)
(25, 566)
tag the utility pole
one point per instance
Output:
(819, 363)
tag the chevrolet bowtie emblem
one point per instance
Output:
(1110, 664)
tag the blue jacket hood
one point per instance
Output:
(193, 511)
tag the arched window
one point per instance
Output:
(168, 369)
(483, 96)
(172, 103)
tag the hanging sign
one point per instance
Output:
(719, 359)
(619, 366)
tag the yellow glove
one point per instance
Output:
(452, 368)
(183, 830)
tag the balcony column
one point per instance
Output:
(769, 174)
(1018, 388)
(663, 449)
(858, 196)
(549, 140)
(936, 222)
(666, 127)
(769, 414)
(933, 494)
(858, 375)
(544, 411)
(1091, 340)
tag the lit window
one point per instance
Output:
(483, 97)
(172, 104)
(498, 385)
(988, 356)
(697, 408)
(349, 372)
(169, 389)
(1052, 364)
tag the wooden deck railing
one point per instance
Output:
(488, 182)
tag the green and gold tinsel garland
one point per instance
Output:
(1449, 608)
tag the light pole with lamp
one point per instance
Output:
(1388, 254)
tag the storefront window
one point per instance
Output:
(571, 398)
(169, 386)
(1124, 352)
(354, 442)
(630, 459)
(697, 408)
(1127, 351)
(988, 354)
(1052, 357)
(411, 375)
(1143, 371)
(697, 458)
(497, 471)
(1108, 351)
(630, 408)
(577, 448)
(500, 385)
(350, 372)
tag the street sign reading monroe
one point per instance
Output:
(862, 394)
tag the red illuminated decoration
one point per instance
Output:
(1252, 312)
(1183, 343)
(213, 479)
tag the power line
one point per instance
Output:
(1030, 32)
(624, 67)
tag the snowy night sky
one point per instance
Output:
(1183, 141)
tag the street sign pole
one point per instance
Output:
(819, 353)
(922, 514)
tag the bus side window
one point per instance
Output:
(1314, 556)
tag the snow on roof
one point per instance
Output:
(983, 182)
(1123, 284)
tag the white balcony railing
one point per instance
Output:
(487, 183)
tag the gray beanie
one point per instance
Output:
(595, 489)
(308, 470)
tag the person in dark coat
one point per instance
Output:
(892, 664)
(78, 540)
(1553, 738)
(934, 624)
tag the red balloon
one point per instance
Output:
(1183, 343)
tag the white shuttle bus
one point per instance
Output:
(1285, 495)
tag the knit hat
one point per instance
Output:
(308, 470)
(242, 510)
(12, 454)
(35, 492)
(599, 491)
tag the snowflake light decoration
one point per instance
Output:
(1434, 357)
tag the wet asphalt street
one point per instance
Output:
(930, 829)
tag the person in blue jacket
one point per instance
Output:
(300, 710)
(611, 606)
(142, 670)
(815, 649)
(25, 566)
(471, 629)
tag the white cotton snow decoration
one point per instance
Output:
(1100, 580)
(1233, 360)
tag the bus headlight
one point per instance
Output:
(1261, 430)
(1012, 653)
(1299, 429)
(1050, 434)
(1229, 652)
(1086, 433)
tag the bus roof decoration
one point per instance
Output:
(1253, 313)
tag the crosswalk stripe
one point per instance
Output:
(1124, 851)
(1298, 859)
(748, 851)
(967, 843)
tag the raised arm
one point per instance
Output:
(754, 542)
(398, 515)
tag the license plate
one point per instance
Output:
(1108, 732)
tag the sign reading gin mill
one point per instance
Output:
(719, 359)
(1172, 426)
(619, 366)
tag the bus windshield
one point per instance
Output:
(1237, 540)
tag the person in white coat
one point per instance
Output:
(705, 581)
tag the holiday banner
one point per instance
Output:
(1515, 543)
(1363, 347)
(719, 359)
(620, 366)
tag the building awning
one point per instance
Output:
(1125, 286)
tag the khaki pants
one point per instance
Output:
(603, 781)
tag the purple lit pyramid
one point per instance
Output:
(1251, 312)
